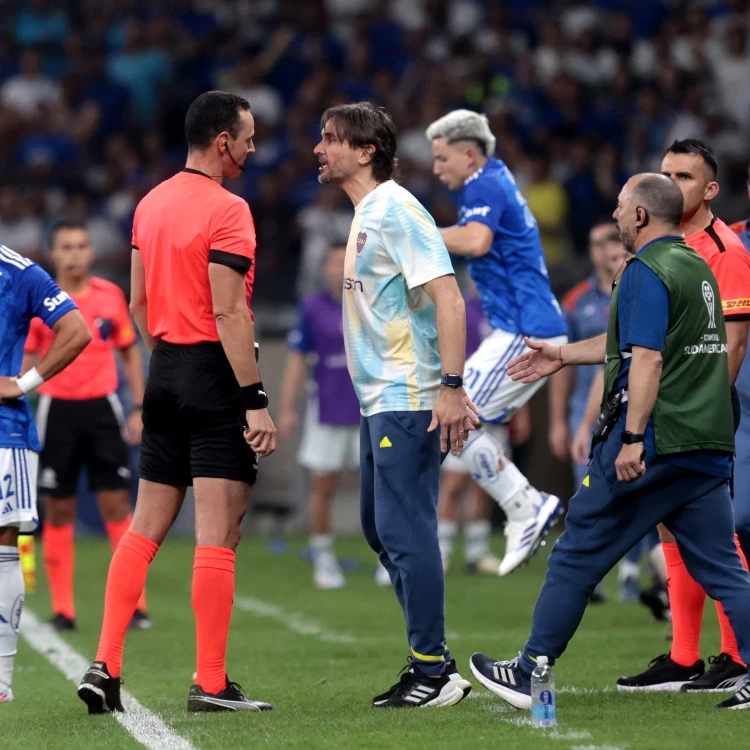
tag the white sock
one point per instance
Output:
(627, 570)
(11, 606)
(477, 536)
(322, 549)
(498, 476)
(658, 563)
(447, 533)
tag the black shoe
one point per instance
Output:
(141, 621)
(61, 622)
(99, 691)
(724, 675)
(504, 678)
(231, 698)
(741, 699)
(662, 674)
(416, 689)
(657, 600)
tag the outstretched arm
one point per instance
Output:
(543, 359)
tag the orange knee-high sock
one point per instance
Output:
(213, 596)
(728, 641)
(59, 560)
(686, 598)
(115, 531)
(127, 574)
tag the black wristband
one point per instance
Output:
(253, 397)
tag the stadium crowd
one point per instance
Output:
(580, 96)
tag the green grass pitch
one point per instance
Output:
(319, 657)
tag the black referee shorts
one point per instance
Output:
(82, 433)
(192, 418)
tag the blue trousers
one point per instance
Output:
(742, 484)
(400, 479)
(608, 517)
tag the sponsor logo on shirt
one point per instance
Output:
(733, 304)
(353, 285)
(52, 303)
(478, 211)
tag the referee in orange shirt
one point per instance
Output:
(204, 412)
(80, 419)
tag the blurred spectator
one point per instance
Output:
(27, 91)
(93, 95)
(19, 229)
(548, 202)
(142, 68)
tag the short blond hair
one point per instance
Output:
(464, 125)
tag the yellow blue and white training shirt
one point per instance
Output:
(390, 324)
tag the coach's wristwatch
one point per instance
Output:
(628, 438)
(452, 381)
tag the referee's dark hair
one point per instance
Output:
(212, 113)
(64, 224)
(661, 197)
(363, 124)
(698, 147)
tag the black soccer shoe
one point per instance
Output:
(100, 691)
(657, 600)
(417, 690)
(231, 698)
(141, 621)
(61, 622)
(724, 676)
(662, 674)
(741, 699)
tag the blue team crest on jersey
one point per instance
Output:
(361, 239)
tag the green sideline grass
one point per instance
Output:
(322, 683)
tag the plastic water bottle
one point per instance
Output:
(543, 699)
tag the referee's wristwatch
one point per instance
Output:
(628, 438)
(452, 381)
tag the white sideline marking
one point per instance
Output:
(292, 620)
(145, 726)
(594, 747)
(571, 734)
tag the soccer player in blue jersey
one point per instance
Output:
(497, 232)
(26, 291)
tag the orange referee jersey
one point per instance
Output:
(724, 252)
(93, 373)
(180, 227)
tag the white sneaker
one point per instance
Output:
(525, 536)
(6, 694)
(329, 576)
(488, 564)
(381, 576)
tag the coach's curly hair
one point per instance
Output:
(363, 124)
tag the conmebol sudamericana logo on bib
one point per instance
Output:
(710, 300)
(711, 342)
